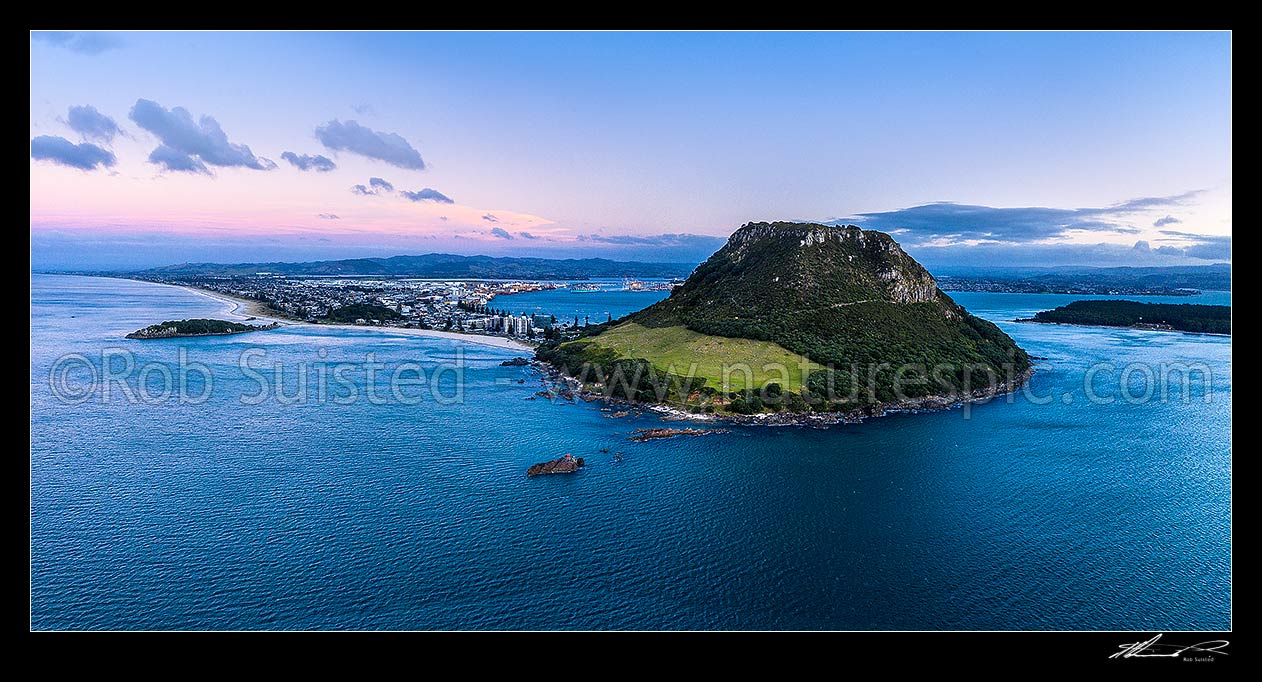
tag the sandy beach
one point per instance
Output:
(244, 308)
(240, 307)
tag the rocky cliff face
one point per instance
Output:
(819, 263)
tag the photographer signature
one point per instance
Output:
(1153, 648)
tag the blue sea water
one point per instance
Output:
(161, 515)
(566, 305)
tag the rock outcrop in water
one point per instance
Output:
(641, 435)
(563, 465)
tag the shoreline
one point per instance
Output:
(784, 418)
(241, 307)
(1030, 320)
(258, 311)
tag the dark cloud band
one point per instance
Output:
(964, 222)
(309, 162)
(59, 150)
(83, 42)
(189, 145)
(375, 187)
(427, 194)
(357, 139)
(92, 124)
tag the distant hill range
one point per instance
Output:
(436, 265)
(1081, 280)
(1073, 280)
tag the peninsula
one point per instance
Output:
(797, 318)
(1184, 317)
(196, 327)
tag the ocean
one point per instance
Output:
(594, 307)
(1048, 511)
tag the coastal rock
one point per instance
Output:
(515, 362)
(567, 464)
(641, 435)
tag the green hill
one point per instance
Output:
(832, 318)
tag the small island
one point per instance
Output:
(172, 329)
(1183, 317)
(566, 464)
(642, 435)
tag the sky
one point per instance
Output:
(972, 149)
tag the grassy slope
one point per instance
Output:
(832, 300)
(680, 347)
(781, 293)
